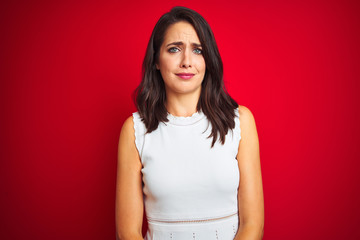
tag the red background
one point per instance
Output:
(67, 73)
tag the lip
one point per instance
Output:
(185, 75)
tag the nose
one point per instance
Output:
(186, 59)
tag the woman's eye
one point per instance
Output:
(173, 50)
(197, 51)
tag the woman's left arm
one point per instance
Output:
(250, 194)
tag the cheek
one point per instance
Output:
(167, 63)
(166, 66)
(201, 65)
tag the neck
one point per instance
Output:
(182, 105)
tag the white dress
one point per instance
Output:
(190, 189)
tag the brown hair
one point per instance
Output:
(214, 101)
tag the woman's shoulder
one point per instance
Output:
(128, 126)
(131, 121)
(244, 111)
(246, 117)
(134, 128)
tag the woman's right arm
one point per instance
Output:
(129, 196)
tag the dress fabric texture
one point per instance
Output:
(190, 189)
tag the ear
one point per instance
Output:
(157, 66)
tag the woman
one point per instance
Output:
(182, 154)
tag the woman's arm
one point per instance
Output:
(129, 196)
(250, 195)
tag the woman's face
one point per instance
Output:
(181, 62)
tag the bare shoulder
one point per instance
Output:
(244, 110)
(127, 151)
(127, 129)
(127, 137)
(246, 117)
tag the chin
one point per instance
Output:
(184, 87)
(187, 90)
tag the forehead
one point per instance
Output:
(181, 31)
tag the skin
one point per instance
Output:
(250, 192)
(182, 96)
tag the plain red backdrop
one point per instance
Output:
(68, 69)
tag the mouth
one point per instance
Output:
(185, 75)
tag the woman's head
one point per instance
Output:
(201, 27)
(180, 60)
(158, 73)
(210, 53)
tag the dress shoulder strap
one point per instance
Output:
(140, 131)
(237, 129)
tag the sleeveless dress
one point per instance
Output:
(190, 189)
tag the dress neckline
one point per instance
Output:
(183, 121)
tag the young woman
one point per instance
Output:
(183, 156)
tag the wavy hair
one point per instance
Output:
(214, 101)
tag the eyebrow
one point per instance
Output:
(181, 43)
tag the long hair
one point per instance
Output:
(214, 101)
